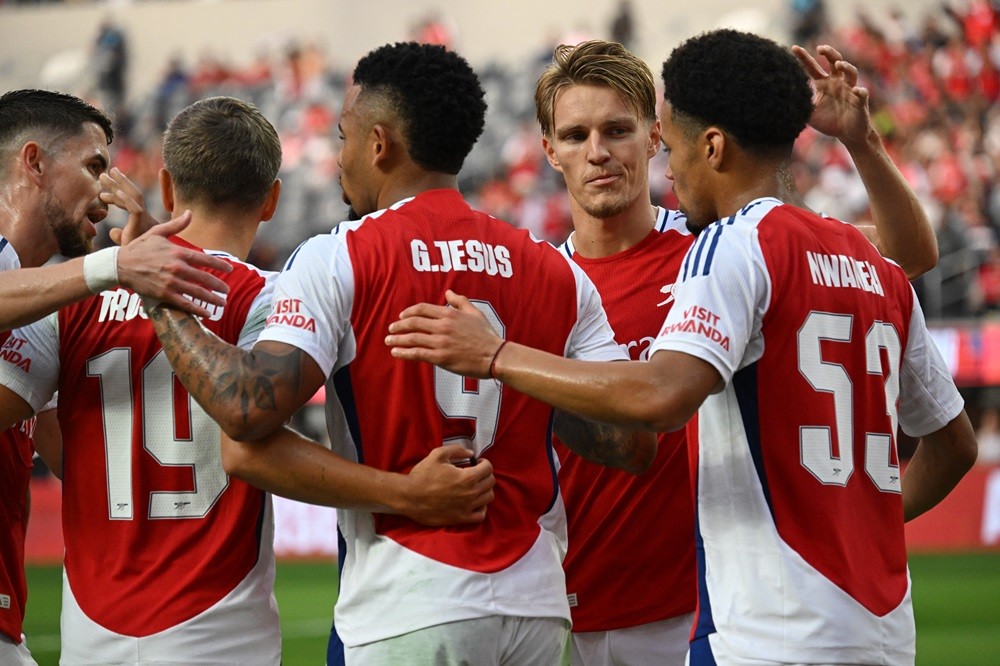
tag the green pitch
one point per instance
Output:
(956, 600)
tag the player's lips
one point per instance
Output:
(603, 179)
(95, 216)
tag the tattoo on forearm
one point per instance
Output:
(220, 376)
(597, 442)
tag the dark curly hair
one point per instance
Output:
(436, 96)
(749, 86)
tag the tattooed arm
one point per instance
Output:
(612, 446)
(249, 393)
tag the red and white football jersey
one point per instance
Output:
(159, 540)
(641, 528)
(335, 300)
(16, 451)
(823, 350)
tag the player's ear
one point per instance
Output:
(714, 147)
(550, 154)
(31, 159)
(654, 139)
(166, 190)
(271, 201)
(382, 144)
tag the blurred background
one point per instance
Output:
(934, 72)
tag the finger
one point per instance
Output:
(174, 226)
(187, 306)
(454, 452)
(861, 92)
(459, 302)
(124, 183)
(412, 354)
(410, 340)
(812, 67)
(831, 54)
(200, 284)
(484, 471)
(427, 310)
(187, 291)
(120, 199)
(116, 235)
(206, 261)
(849, 71)
(413, 325)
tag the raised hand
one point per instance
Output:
(457, 338)
(151, 265)
(121, 192)
(445, 494)
(840, 105)
(154, 267)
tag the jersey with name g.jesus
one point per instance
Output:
(823, 350)
(335, 300)
(16, 451)
(630, 559)
(156, 533)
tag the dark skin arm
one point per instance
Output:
(13, 408)
(661, 394)
(48, 441)
(901, 229)
(941, 460)
(435, 492)
(629, 450)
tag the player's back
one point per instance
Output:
(392, 413)
(799, 505)
(529, 294)
(161, 544)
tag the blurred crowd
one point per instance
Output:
(934, 86)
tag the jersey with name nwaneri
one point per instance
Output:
(640, 527)
(335, 300)
(16, 451)
(823, 350)
(159, 539)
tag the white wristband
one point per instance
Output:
(100, 269)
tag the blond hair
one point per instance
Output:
(600, 63)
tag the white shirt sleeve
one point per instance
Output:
(591, 338)
(257, 314)
(313, 297)
(719, 300)
(29, 362)
(928, 398)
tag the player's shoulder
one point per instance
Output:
(671, 221)
(244, 274)
(8, 257)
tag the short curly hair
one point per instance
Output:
(436, 96)
(749, 86)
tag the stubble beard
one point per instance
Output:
(607, 207)
(69, 235)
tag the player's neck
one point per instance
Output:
(26, 234)
(233, 234)
(596, 237)
(749, 183)
(413, 182)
